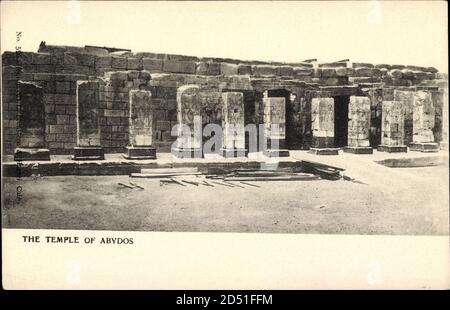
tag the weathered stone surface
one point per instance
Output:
(208, 68)
(275, 117)
(141, 118)
(423, 118)
(119, 62)
(326, 72)
(32, 115)
(31, 154)
(188, 107)
(359, 121)
(152, 65)
(233, 121)
(244, 69)
(88, 126)
(392, 124)
(406, 100)
(364, 72)
(396, 74)
(172, 66)
(285, 71)
(333, 65)
(228, 69)
(103, 62)
(322, 122)
(275, 126)
(264, 70)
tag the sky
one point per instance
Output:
(403, 32)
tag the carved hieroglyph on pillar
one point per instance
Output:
(275, 126)
(88, 124)
(233, 143)
(358, 126)
(31, 121)
(189, 141)
(322, 126)
(140, 126)
(423, 123)
(406, 99)
(392, 127)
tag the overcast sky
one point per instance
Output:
(407, 32)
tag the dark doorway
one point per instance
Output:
(341, 120)
(290, 130)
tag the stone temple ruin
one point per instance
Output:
(88, 101)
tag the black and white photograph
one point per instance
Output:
(258, 119)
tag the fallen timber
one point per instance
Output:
(300, 171)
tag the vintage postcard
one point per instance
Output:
(225, 145)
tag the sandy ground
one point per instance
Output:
(411, 201)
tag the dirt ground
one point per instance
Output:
(411, 201)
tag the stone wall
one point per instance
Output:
(56, 70)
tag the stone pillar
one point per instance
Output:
(31, 121)
(406, 99)
(140, 126)
(88, 125)
(358, 126)
(444, 142)
(392, 127)
(322, 126)
(233, 133)
(188, 144)
(423, 124)
(275, 126)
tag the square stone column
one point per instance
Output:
(358, 126)
(423, 124)
(392, 127)
(406, 99)
(322, 126)
(189, 141)
(140, 126)
(444, 142)
(88, 125)
(275, 126)
(31, 121)
(233, 133)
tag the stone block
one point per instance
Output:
(208, 68)
(244, 69)
(103, 61)
(31, 154)
(140, 152)
(134, 63)
(152, 65)
(264, 70)
(425, 147)
(41, 58)
(119, 62)
(187, 67)
(88, 153)
(363, 72)
(392, 149)
(228, 69)
(358, 149)
(324, 151)
(285, 71)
